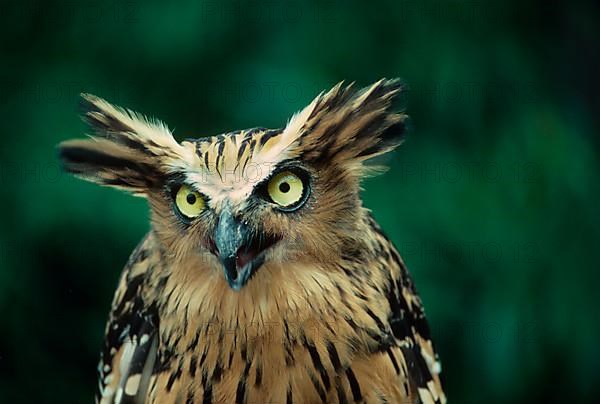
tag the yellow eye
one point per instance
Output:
(285, 189)
(189, 202)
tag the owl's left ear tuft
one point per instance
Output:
(348, 126)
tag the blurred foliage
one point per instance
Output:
(492, 200)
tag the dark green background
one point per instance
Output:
(492, 200)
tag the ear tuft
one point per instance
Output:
(123, 126)
(106, 163)
(126, 151)
(349, 126)
(102, 117)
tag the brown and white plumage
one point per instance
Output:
(311, 303)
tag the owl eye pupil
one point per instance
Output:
(191, 199)
(284, 187)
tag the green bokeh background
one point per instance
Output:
(492, 200)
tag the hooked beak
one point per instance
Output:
(240, 250)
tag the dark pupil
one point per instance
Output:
(284, 187)
(191, 199)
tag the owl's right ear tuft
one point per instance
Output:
(107, 163)
(127, 150)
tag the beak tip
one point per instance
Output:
(234, 283)
(235, 286)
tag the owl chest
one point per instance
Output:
(230, 369)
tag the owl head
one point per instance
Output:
(246, 207)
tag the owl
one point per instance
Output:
(263, 278)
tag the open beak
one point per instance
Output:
(240, 250)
